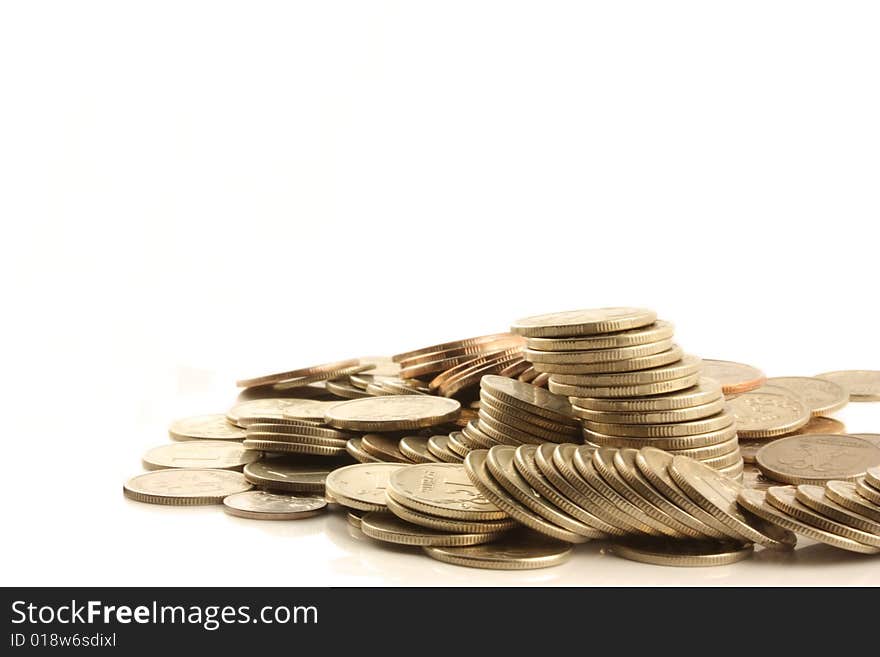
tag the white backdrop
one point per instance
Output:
(196, 191)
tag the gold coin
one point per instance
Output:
(814, 497)
(435, 367)
(439, 447)
(388, 527)
(448, 524)
(392, 413)
(668, 443)
(867, 491)
(734, 471)
(455, 344)
(289, 447)
(479, 474)
(361, 486)
(730, 446)
(687, 366)
(659, 330)
(583, 322)
(734, 377)
(293, 374)
(281, 428)
(596, 355)
(583, 464)
(846, 495)
(308, 409)
(577, 393)
(454, 444)
(667, 357)
(817, 458)
(756, 502)
(603, 463)
(504, 435)
(518, 551)
(472, 376)
(512, 433)
(466, 367)
(200, 454)
(184, 487)
(705, 391)
(513, 415)
(353, 519)
(462, 353)
(501, 463)
(302, 381)
(749, 449)
(302, 439)
(383, 447)
(289, 475)
(537, 467)
(527, 374)
(441, 489)
(524, 462)
(476, 436)
(724, 461)
(250, 419)
(654, 465)
(872, 477)
(717, 495)
(205, 427)
(862, 385)
(764, 414)
(693, 427)
(820, 395)
(821, 425)
(560, 471)
(355, 449)
(625, 463)
(528, 398)
(262, 505)
(656, 417)
(271, 408)
(785, 499)
(415, 448)
(683, 553)
(344, 389)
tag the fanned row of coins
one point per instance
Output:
(631, 385)
(460, 450)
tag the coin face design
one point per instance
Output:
(272, 506)
(274, 408)
(768, 413)
(209, 427)
(444, 485)
(418, 410)
(214, 454)
(363, 482)
(172, 486)
(817, 458)
(820, 395)
(862, 385)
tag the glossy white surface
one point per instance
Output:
(193, 192)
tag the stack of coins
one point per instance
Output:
(649, 501)
(515, 413)
(841, 514)
(630, 385)
(455, 368)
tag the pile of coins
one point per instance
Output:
(631, 386)
(460, 451)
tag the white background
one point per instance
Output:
(192, 192)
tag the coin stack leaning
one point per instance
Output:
(630, 385)
(516, 413)
(454, 368)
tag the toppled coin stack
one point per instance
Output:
(631, 386)
(464, 454)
